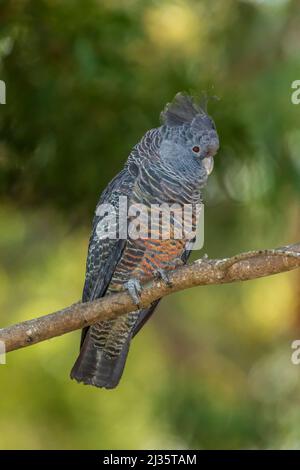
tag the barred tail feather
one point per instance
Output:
(93, 367)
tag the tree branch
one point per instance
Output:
(242, 267)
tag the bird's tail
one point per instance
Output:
(105, 346)
(94, 367)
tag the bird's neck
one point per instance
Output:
(162, 184)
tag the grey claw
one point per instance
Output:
(134, 289)
(164, 276)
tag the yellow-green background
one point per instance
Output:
(84, 81)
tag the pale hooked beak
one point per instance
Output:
(208, 163)
(208, 160)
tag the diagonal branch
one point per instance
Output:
(241, 267)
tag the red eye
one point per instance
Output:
(196, 149)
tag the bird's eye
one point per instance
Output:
(196, 149)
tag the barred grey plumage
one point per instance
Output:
(169, 165)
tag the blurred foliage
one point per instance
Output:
(84, 81)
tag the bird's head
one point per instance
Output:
(189, 138)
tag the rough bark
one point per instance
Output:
(242, 267)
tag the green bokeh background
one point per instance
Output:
(84, 81)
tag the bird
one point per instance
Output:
(170, 164)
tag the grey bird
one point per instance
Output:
(170, 164)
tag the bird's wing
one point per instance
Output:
(104, 253)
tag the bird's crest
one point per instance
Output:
(183, 110)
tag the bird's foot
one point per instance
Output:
(164, 276)
(134, 289)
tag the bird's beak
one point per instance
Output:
(208, 163)
(208, 160)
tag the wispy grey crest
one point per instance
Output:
(185, 110)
